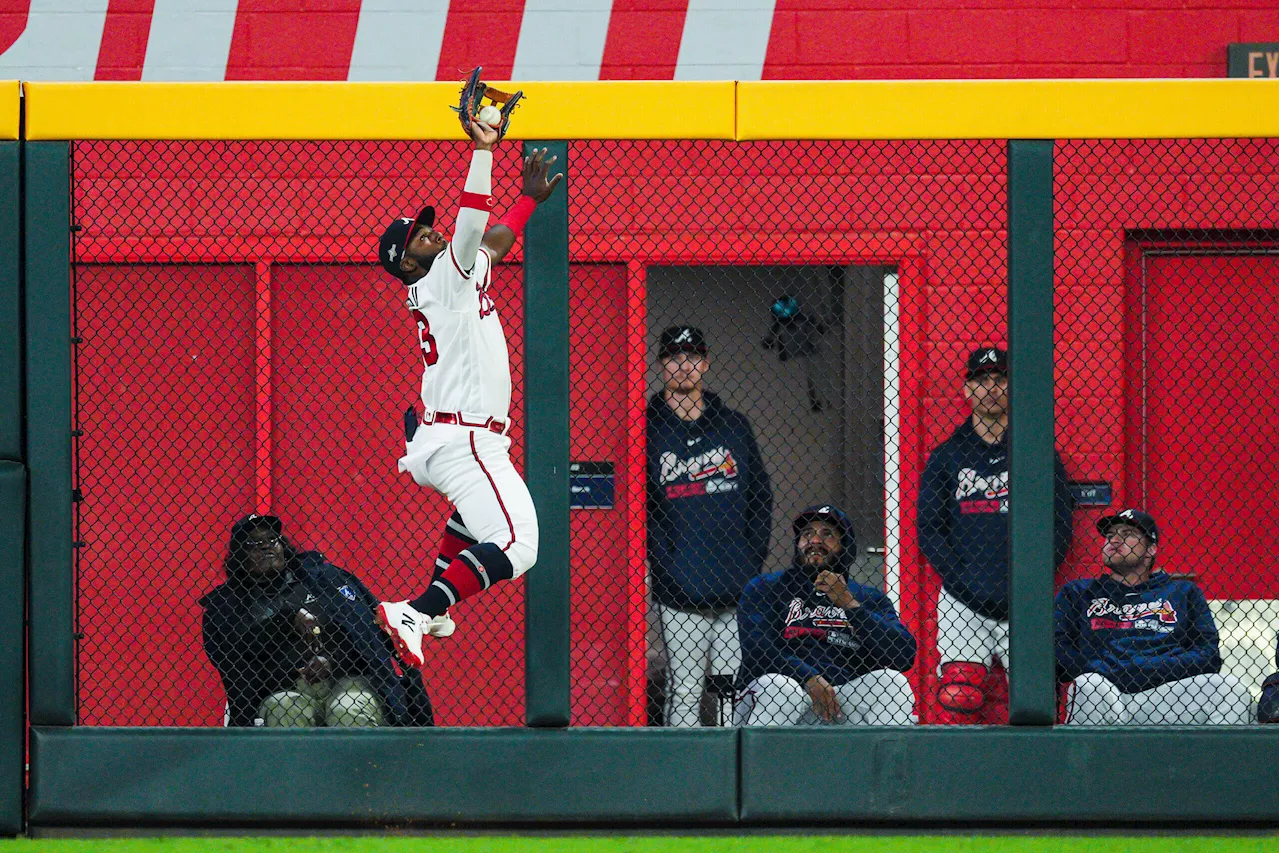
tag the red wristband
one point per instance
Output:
(519, 214)
(476, 201)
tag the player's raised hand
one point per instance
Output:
(834, 587)
(484, 136)
(536, 167)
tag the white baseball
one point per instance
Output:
(490, 115)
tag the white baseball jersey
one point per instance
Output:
(466, 365)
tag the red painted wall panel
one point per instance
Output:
(597, 431)
(165, 402)
(1210, 422)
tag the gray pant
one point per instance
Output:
(1201, 700)
(344, 703)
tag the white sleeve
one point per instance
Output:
(472, 222)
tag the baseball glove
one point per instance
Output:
(471, 99)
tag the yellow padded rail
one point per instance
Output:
(1008, 109)
(10, 105)
(587, 110)
(928, 109)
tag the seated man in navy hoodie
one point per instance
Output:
(962, 524)
(710, 511)
(1138, 646)
(818, 648)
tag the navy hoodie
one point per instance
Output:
(709, 504)
(962, 519)
(250, 639)
(786, 626)
(1137, 637)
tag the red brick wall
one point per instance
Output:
(641, 39)
(812, 39)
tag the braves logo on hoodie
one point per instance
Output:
(820, 622)
(1159, 615)
(982, 493)
(712, 471)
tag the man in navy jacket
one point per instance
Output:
(817, 647)
(1138, 646)
(295, 641)
(962, 524)
(710, 511)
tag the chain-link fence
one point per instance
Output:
(1166, 331)
(237, 352)
(788, 425)
(778, 293)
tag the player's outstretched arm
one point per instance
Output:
(537, 189)
(477, 197)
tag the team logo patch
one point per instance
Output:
(977, 493)
(1159, 616)
(347, 593)
(707, 473)
(818, 622)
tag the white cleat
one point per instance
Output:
(406, 627)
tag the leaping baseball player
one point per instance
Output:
(460, 448)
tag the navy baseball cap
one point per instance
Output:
(243, 526)
(396, 237)
(833, 515)
(987, 360)
(682, 339)
(1133, 517)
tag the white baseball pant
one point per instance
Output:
(471, 467)
(879, 698)
(1212, 699)
(964, 635)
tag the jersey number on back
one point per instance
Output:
(430, 355)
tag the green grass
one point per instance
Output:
(1013, 843)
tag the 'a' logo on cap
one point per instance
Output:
(406, 220)
(1128, 513)
(391, 253)
(825, 509)
(682, 337)
(989, 355)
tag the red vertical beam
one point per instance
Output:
(634, 495)
(913, 572)
(262, 373)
